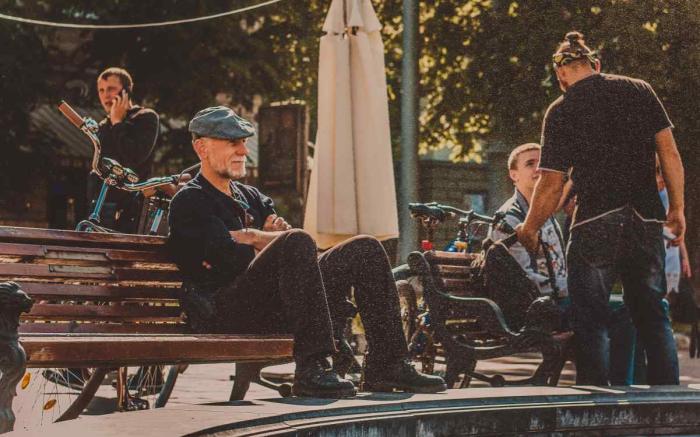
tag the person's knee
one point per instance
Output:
(299, 238)
(368, 244)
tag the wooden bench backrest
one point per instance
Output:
(92, 282)
(456, 276)
(454, 272)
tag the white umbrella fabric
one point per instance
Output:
(352, 190)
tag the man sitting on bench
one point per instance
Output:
(522, 169)
(216, 226)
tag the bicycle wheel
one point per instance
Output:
(409, 308)
(47, 395)
(51, 395)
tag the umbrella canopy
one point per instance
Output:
(352, 188)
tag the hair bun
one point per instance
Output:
(574, 38)
(575, 35)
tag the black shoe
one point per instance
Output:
(344, 360)
(399, 376)
(317, 379)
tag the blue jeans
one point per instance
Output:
(622, 245)
(622, 338)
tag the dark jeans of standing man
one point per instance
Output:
(289, 289)
(619, 244)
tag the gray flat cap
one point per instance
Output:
(220, 122)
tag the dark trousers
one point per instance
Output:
(622, 245)
(288, 288)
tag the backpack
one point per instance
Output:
(506, 283)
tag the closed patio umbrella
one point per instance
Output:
(352, 188)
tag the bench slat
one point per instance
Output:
(11, 271)
(459, 287)
(127, 312)
(53, 291)
(89, 253)
(112, 351)
(102, 328)
(451, 270)
(451, 258)
(12, 234)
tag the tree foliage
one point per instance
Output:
(485, 65)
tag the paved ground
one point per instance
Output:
(207, 384)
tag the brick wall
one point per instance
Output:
(453, 183)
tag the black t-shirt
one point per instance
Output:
(200, 219)
(603, 129)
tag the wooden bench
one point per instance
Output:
(110, 300)
(468, 327)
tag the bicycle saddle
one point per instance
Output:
(427, 211)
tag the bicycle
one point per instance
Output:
(133, 389)
(415, 316)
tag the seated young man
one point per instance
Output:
(216, 227)
(522, 169)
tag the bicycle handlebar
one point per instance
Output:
(89, 128)
(71, 115)
(440, 213)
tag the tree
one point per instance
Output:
(485, 65)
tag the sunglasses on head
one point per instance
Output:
(563, 58)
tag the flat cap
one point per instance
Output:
(220, 122)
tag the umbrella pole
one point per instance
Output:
(408, 192)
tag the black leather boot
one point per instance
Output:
(315, 378)
(402, 376)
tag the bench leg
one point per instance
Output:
(13, 360)
(89, 389)
(12, 365)
(245, 374)
(457, 365)
(169, 384)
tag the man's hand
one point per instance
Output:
(675, 222)
(247, 236)
(120, 105)
(685, 268)
(530, 240)
(276, 223)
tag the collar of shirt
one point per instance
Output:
(583, 82)
(236, 199)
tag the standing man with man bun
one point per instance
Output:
(606, 130)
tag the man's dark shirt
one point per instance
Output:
(604, 128)
(131, 143)
(200, 220)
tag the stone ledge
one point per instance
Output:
(477, 411)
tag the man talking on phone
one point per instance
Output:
(128, 135)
